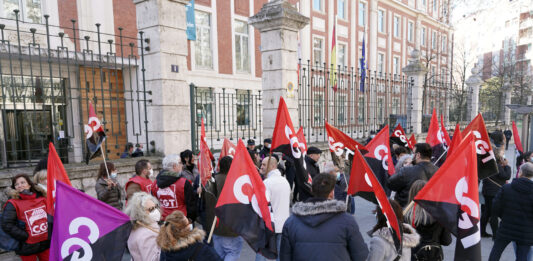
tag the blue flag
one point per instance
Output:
(191, 23)
(363, 68)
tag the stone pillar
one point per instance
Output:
(163, 23)
(278, 22)
(474, 83)
(415, 71)
(506, 100)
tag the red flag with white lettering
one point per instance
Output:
(400, 136)
(55, 171)
(486, 162)
(379, 148)
(339, 142)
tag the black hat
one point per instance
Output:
(313, 150)
(251, 142)
(267, 141)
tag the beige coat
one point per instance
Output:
(142, 243)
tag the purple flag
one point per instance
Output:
(86, 228)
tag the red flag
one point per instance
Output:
(55, 171)
(339, 142)
(94, 135)
(443, 133)
(457, 138)
(243, 204)
(204, 161)
(412, 141)
(399, 137)
(301, 140)
(486, 162)
(362, 179)
(379, 148)
(451, 196)
(228, 149)
(516, 137)
(433, 138)
(284, 133)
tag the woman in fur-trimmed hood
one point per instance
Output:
(382, 244)
(178, 240)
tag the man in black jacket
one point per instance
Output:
(423, 169)
(320, 228)
(514, 205)
(311, 159)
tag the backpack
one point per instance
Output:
(6, 241)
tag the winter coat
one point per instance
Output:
(190, 175)
(382, 244)
(142, 243)
(402, 181)
(280, 197)
(514, 205)
(340, 192)
(312, 166)
(213, 190)
(9, 225)
(166, 178)
(492, 184)
(190, 247)
(321, 229)
(109, 195)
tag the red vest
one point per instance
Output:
(171, 198)
(33, 213)
(146, 184)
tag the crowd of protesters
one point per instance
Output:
(172, 213)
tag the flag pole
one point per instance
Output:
(408, 207)
(212, 229)
(445, 152)
(103, 157)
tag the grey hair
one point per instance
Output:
(135, 207)
(170, 160)
(526, 170)
(329, 167)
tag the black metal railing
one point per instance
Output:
(227, 113)
(48, 76)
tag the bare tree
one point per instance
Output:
(463, 61)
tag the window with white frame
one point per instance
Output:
(423, 36)
(434, 40)
(434, 6)
(424, 4)
(318, 104)
(318, 5)
(443, 75)
(341, 9)
(318, 50)
(362, 14)
(396, 65)
(341, 55)
(202, 46)
(30, 10)
(410, 31)
(433, 74)
(242, 54)
(381, 61)
(396, 26)
(204, 102)
(342, 115)
(243, 107)
(361, 109)
(444, 43)
(381, 21)
(380, 109)
(395, 105)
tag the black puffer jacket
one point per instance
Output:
(311, 166)
(110, 195)
(402, 181)
(321, 230)
(9, 225)
(492, 184)
(514, 205)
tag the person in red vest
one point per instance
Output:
(27, 204)
(172, 189)
(141, 181)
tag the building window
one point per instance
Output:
(444, 43)
(396, 65)
(380, 109)
(341, 55)
(361, 110)
(243, 107)
(381, 60)
(204, 102)
(433, 74)
(410, 31)
(202, 46)
(433, 40)
(318, 50)
(318, 5)
(395, 106)
(423, 36)
(381, 21)
(362, 14)
(318, 104)
(341, 9)
(434, 6)
(443, 75)
(242, 55)
(341, 115)
(396, 26)
(30, 10)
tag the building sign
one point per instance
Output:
(191, 24)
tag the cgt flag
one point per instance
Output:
(244, 205)
(517, 142)
(86, 228)
(412, 141)
(399, 136)
(486, 162)
(434, 138)
(228, 149)
(379, 148)
(451, 197)
(205, 167)
(339, 142)
(444, 136)
(55, 171)
(362, 179)
(95, 136)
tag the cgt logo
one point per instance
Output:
(295, 145)
(382, 153)
(338, 148)
(464, 222)
(399, 134)
(74, 228)
(482, 147)
(37, 220)
(244, 193)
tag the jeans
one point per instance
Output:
(259, 257)
(529, 255)
(228, 248)
(500, 245)
(486, 217)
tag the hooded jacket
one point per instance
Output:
(111, 196)
(321, 229)
(190, 247)
(165, 178)
(402, 181)
(382, 244)
(514, 205)
(9, 225)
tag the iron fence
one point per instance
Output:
(227, 113)
(48, 76)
